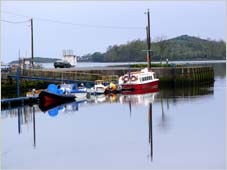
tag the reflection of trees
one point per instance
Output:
(163, 124)
(187, 91)
(219, 70)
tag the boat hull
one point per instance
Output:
(49, 98)
(144, 86)
(141, 91)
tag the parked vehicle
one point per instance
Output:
(5, 68)
(62, 64)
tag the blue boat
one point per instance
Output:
(73, 89)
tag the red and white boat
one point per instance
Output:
(139, 80)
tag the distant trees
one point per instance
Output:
(163, 44)
(132, 51)
(180, 48)
(97, 57)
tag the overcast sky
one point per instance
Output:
(90, 26)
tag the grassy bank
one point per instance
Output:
(9, 88)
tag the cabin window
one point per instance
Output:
(154, 76)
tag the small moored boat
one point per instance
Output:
(140, 80)
(99, 88)
(53, 95)
(79, 92)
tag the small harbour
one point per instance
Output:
(173, 128)
(113, 85)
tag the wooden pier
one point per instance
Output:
(59, 75)
(12, 102)
(177, 76)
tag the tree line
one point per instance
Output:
(180, 48)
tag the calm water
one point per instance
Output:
(173, 128)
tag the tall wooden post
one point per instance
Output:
(32, 49)
(148, 40)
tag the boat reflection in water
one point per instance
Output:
(139, 97)
(54, 109)
(27, 114)
(142, 98)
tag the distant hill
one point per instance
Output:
(38, 60)
(180, 48)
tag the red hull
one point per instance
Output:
(146, 86)
(141, 91)
(47, 98)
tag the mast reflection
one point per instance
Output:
(150, 130)
(142, 99)
(34, 134)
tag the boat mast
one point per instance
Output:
(32, 49)
(148, 40)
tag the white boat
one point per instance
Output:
(98, 88)
(139, 80)
(79, 92)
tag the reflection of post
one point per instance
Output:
(150, 129)
(162, 109)
(34, 135)
(77, 106)
(18, 81)
(19, 122)
(130, 108)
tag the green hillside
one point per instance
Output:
(180, 48)
(39, 60)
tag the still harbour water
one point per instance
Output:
(169, 129)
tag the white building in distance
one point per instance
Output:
(70, 57)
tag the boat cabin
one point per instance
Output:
(148, 77)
